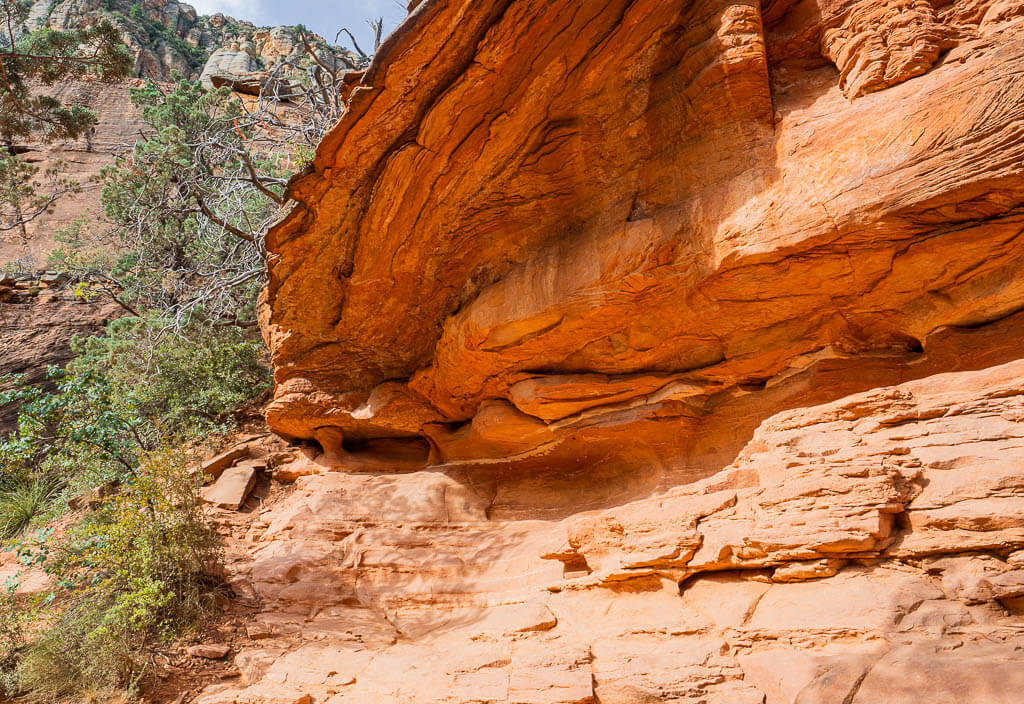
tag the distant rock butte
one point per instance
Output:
(168, 36)
(653, 352)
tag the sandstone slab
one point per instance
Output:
(216, 465)
(209, 651)
(231, 488)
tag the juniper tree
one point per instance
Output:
(191, 202)
(39, 59)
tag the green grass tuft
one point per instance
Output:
(20, 504)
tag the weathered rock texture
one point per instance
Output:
(655, 352)
(640, 212)
(37, 325)
(119, 124)
(866, 550)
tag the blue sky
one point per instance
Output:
(325, 17)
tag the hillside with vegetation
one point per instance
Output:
(563, 352)
(168, 36)
(149, 293)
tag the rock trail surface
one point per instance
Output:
(869, 549)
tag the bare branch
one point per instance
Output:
(378, 29)
(345, 30)
(219, 221)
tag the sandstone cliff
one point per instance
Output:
(118, 126)
(614, 221)
(653, 352)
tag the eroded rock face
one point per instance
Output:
(37, 326)
(118, 126)
(653, 352)
(878, 44)
(629, 216)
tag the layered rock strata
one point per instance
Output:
(653, 352)
(869, 549)
(39, 317)
(639, 214)
(118, 126)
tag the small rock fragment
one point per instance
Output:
(258, 631)
(215, 465)
(802, 571)
(209, 651)
(231, 488)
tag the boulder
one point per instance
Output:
(225, 64)
(216, 465)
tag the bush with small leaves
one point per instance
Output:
(126, 393)
(132, 575)
(15, 618)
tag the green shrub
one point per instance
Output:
(158, 32)
(128, 392)
(80, 249)
(132, 575)
(14, 620)
(184, 384)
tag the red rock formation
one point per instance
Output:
(36, 330)
(869, 549)
(657, 352)
(638, 200)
